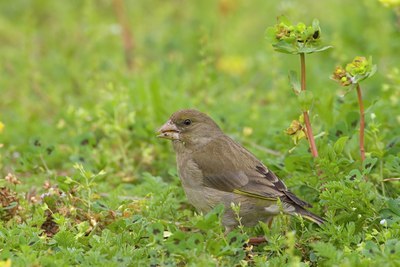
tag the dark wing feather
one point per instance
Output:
(282, 187)
(227, 166)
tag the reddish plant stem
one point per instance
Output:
(362, 122)
(127, 37)
(310, 135)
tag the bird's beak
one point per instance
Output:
(168, 131)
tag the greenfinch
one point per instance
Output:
(214, 169)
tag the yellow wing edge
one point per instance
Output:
(248, 194)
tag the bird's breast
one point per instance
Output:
(189, 172)
(201, 197)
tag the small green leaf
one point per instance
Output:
(196, 240)
(368, 164)
(294, 81)
(372, 71)
(68, 180)
(326, 250)
(283, 19)
(371, 250)
(11, 206)
(310, 50)
(285, 47)
(323, 48)
(210, 220)
(156, 231)
(390, 214)
(394, 205)
(354, 175)
(176, 242)
(235, 238)
(315, 24)
(340, 144)
(65, 239)
(306, 99)
(270, 34)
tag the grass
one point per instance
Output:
(85, 181)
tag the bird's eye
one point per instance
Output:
(187, 122)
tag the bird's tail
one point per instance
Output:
(309, 216)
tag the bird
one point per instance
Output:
(214, 169)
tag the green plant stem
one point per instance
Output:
(310, 135)
(303, 71)
(362, 122)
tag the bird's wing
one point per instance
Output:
(227, 166)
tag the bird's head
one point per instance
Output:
(189, 126)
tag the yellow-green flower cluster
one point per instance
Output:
(359, 66)
(297, 130)
(357, 70)
(340, 76)
(285, 31)
(295, 38)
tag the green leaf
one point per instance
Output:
(210, 220)
(392, 247)
(323, 48)
(310, 50)
(283, 19)
(306, 99)
(177, 241)
(394, 205)
(371, 249)
(285, 47)
(354, 175)
(270, 34)
(358, 78)
(65, 239)
(156, 230)
(315, 24)
(325, 250)
(340, 144)
(294, 81)
(11, 206)
(372, 71)
(196, 240)
(235, 238)
(389, 216)
(368, 164)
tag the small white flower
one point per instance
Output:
(383, 222)
(373, 116)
